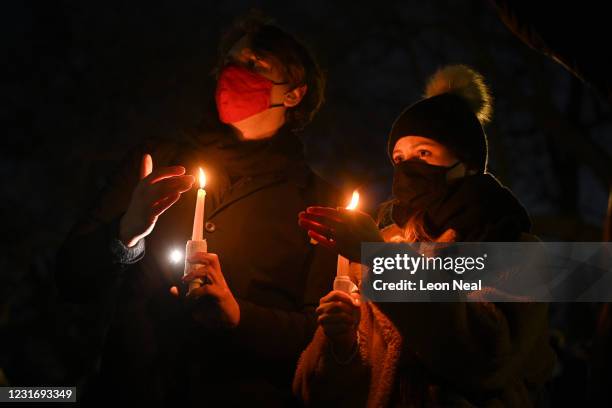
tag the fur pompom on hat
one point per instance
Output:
(456, 105)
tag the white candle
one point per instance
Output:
(197, 243)
(343, 280)
(343, 263)
(343, 266)
(198, 218)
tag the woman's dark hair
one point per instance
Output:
(296, 62)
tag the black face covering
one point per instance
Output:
(418, 185)
(478, 207)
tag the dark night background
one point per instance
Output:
(87, 80)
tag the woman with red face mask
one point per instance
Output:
(428, 354)
(235, 340)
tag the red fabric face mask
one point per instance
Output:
(241, 93)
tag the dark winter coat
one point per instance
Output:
(151, 350)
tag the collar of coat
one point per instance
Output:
(298, 175)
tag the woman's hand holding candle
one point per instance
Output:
(157, 191)
(213, 303)
(340, 229)
(339, 314)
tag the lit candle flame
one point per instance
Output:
(354, 201)
(202, 178)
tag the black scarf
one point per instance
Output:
(247, 158)
(478, 207)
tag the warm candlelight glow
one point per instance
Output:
(354, 201)
(202, 178)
